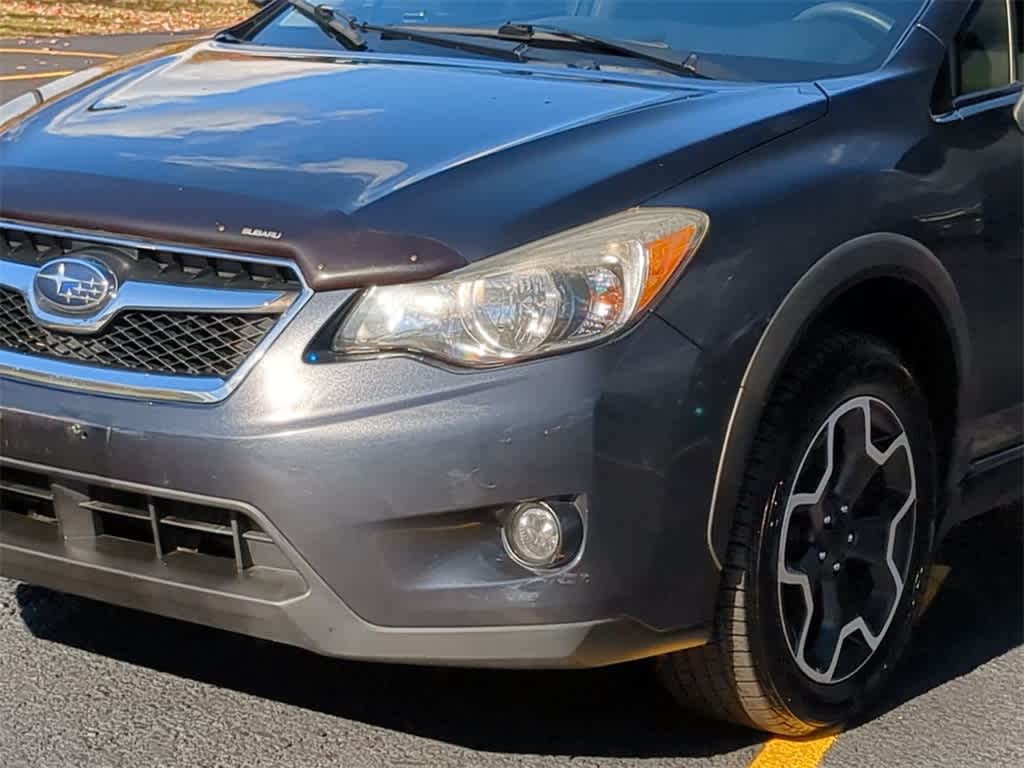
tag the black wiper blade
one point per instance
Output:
(454, 38)
(338, 25)
(535, 33)
(348, 30)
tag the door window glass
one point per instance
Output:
(983, 48)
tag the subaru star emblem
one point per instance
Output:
(75, 286)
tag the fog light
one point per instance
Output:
(544, 534)
(533, 534)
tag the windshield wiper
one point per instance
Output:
(336, 24)
(528, 35)
(347, 29)
(542, 33)
(444, 37)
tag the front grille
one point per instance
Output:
(188, 542)
(182, 341)
(154, 342)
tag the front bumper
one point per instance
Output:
(378, 481)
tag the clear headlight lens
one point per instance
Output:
(569, 290)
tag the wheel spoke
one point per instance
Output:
(831, 623)
(816, 514)
(855, 473)
(870, 539)
(809, 564)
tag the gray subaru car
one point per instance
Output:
(525, 333)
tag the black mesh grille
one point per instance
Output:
(154, 342)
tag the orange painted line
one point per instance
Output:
(47, 52)
(36, 76)
(791, 753)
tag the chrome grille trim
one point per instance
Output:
(155, 297)
(150, 386)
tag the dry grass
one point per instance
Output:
(21, 18)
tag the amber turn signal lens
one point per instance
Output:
(665, 256)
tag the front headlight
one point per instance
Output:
(569, 290)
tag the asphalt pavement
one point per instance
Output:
(27, 63)
(86, 685)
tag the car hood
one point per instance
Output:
(367, 169)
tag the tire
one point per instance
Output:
(780, 614)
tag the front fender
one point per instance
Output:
(860, 259)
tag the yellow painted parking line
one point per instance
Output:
(36, 76)
(791, 753)
(47, 52)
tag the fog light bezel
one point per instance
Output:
(569, 518)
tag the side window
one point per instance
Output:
(983, 55)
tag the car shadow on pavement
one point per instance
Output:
(979, 612)
(617, 712)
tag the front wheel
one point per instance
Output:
(832, 537)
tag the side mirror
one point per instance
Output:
(1018, 112)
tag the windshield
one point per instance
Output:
(748, 39)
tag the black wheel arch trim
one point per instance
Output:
(875, 255)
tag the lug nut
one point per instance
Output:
(845, 508)
(849, 538)
(836, 568)
(828, 519)
(821, 556)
